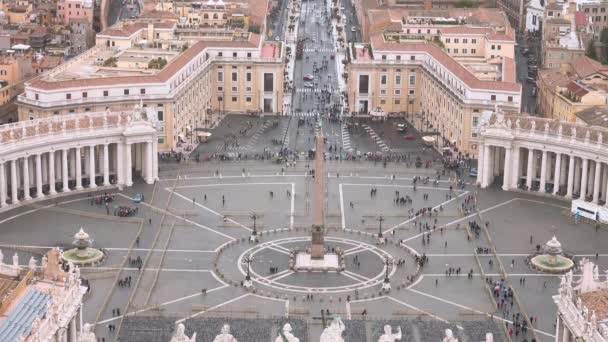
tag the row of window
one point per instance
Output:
(397, 92)
(464, 40)
(234, 99)
(594, 10)
(384, 78)
(464, 51)
(235, 76)
(235, 89)
(106, 93)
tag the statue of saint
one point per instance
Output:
(86, 335)
(225, 335)
(489, 337)
(44, 262)
(32, 264)
(449, 335)
(180, 335)
(16, 260)
(333, 333)
(388, 334)
(285, 335)
(560, 129)
(517, 123)
(1, 257)
(533, 126)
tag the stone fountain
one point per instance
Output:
(552, 259)
(82, 253)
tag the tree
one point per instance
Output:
(110, 62)
(466, 4)
(591, 51)
(254, 29)
(157, 63)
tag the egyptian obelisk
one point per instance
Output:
(318, 228)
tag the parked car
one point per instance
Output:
(308, 85)
(409, 136)
(401, 127)
(533, 91)
(138, 198)
(308, 77)
(473, 172)
(531, 79)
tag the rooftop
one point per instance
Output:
(595, 116)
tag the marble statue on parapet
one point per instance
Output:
(1, 257)
(449, 336)
(600, 138)
(533, 126)
(573, 132)
(546, 127)
(32, 264)
(15, 260)
(285, 335)
(518, 123)
(225, 335)
(388, 335)
(87, 335)
(509, 124)
(489, 337)
(180, 335)
(560, 129)
(44, 262)
(333, 333)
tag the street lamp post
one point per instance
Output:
(248, 283)
(254, 216)
(380, 220)
(386, 285)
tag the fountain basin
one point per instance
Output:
(551, 263)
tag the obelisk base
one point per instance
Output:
(306, 263)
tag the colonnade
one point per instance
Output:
(566, 174)
(46, 173)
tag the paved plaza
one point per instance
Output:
(192, 235)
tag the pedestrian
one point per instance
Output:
(436, 282)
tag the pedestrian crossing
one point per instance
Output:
(305, 114)
(346, 139)
(325, 50)
(256, 136)
(315, 90)
(376, 138)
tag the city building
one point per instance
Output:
(442, 76)
(226, 71)
(535, 14)
(68, 10)
(562, 39)
(576, 86)
(515, 11)
(41, 302)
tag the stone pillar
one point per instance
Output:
(78, 158)
(120, 163)
(564, 172)
(556, 174)
(565, 333)
(506, 179)
(515, 168)
(570, 185)
(480, 163)
(3, 190)
(64, 167)
(92, 183)
(52, 189)
(39, 193)
(487, 168)
(148, 159)
(496, 162)
(596, 182)
(45, 166)
(543, 173)
(577, 175)
(14, 188)
(155, 159)
(106, 165)
(72, 328)
(128, 167)
(604, 182)
(585, 171)
(529, 169)
(26, 179)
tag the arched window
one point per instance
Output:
(206, 16)
(215, 16)
(224, 16)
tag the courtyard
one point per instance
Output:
(191, 233)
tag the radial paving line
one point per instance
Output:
(146, 259)
(160, 264)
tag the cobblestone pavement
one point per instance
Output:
(180, 242)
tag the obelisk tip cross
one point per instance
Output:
(318, 226)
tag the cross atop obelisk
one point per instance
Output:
(318, 226)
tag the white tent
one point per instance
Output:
(20, 47)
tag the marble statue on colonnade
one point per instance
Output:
(489, 337)
(225, 335)
(388, 334)
(87, 335)
(180, 335)
(449, 336)
(333, 333)
(285, 335)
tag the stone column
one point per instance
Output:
(564, 172)
(596, 182)
(577, 175)
(515, 168)
(106, 165)
(26, 179)
(585, 171)
(529, 169)
(604, 182)
(487, 169)
(556, 174)
(480, 163)
(78, 158)
(155, 159)
(72, 337)
(39, 193)
(92, 183)
(64, 167)
(506, 179)
(543, 172)
(128, 167)
(496, 162)
(148, 159)
(52, 190)
(3, 190)
(120, 163)
(14, 188)
(570, 185)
